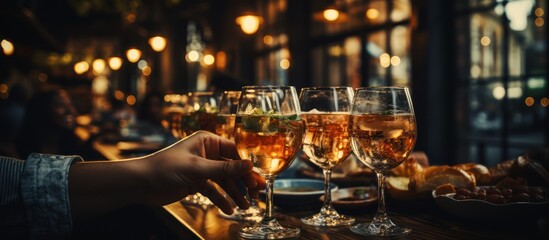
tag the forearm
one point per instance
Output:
(96, 188)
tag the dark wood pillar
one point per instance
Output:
(298, 22)
(433, 81)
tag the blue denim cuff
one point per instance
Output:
(45, 192)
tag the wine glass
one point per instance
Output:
(326, 113)
(200, 114)
(225, 128)
(174, 107)
(383, 133)
(269, 133)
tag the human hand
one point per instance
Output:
(200, 163)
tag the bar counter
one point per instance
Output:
(425, 218)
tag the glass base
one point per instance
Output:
(197, 199)
(329, 219)
(269, 230)
(380, 229)
(252, 214)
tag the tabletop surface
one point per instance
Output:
(423, 216)
(427, 223)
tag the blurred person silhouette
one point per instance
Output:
(149, 111)
(224, 82)
(48, 125)
(12, 111)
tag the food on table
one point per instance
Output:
(522, 167)
(503, 194)
(445, 189)
(422, 178)
(481, 172)
(432, 177)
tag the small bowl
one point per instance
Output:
(298, 192)
(354, 197)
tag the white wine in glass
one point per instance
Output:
(269, 133)
(383, 133)
(224, 127)
(326, 113)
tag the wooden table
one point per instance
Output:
(193, 222)
(424, 217)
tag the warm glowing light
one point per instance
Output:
(515, 92)
(209, 59)
(517, 13)
(133, 55)
(529, 101)
(147, 71)
(81, 67)
(131, 17)
(544, 102)
(98, 66)
(372, 13)
(475, 71)
(395, 61)
(498, 92)
(330, 14)
(335, 51)
(142, 64)
(3, 88)
(284, 64)
(385, 60)
(192, 56)
(539, 22)
(42, 77)
(130, 100)
(539, 12)
(7, 47)
(100, 85)
(485, 41)
(119, 95)
(157, 43)
(115, 63)
(66, 58)
(221, 60)
(268, 40)
(249, 23)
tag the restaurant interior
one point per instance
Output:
(477, 72)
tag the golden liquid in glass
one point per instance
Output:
(199, 120)
(382, 142)
(225, 126)
(326, 142)
(270, 142)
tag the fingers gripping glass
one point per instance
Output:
(269, 133)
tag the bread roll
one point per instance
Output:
(445, 189)
(434, 176)
(481, 172)
(408, 168)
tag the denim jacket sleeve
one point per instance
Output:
(45, 193)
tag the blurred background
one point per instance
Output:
(477, 69)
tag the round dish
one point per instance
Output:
(298, 192)
(354, 197)
(474, 209)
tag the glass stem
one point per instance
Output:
(269, 212)
(327, 193)
(381, 212)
